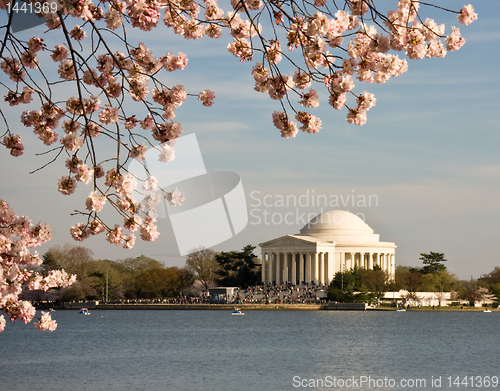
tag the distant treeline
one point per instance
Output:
(146, 278)
(143, 277)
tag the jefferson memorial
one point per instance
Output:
(331, 242)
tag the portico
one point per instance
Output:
(331, 242)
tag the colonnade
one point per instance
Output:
(319, 267)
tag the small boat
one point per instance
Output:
(84, 311)
(400, 310)
(486, 310)
(237, 311)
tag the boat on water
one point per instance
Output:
(84, 311)
(237, 311)
(400, 310)
(486, 310)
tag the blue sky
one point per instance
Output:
(428, 153)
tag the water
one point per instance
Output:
(263, 350)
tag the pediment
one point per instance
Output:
(289, 240)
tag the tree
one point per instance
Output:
(496, 291)
(408, 278)
(238, 268)
(160, 282)
(201, 262)
(376, 280)
(491, 279)
(104, 78)
(349, 286)
(433, 262)
(17, 236)
(470, 291)
(440, 282)
(74, 259)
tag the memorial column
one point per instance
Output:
(321, 273)
(278, 268)
(307, 264)
(316, 267)
(294, 268)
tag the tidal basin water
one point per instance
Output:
(263, 350)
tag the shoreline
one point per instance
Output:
(248, 307)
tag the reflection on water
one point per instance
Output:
(212, 350)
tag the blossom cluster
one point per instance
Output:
(17, 236)
(368, 58)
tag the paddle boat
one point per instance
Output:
(237, 311)
(487, 310)
(84, 311)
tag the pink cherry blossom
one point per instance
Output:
(310, 99)
(455, 40)
(167, 153)
(78, 33)
(13, 142)
(109, 115)
(167, 131)
(302, 79)
(95, 202)
(149, 231)
(207, 97)
(132, 223)
(138, 152)
(287, 127)
(147, 123)
(67, 70)
(45, 322)
(129, 242)
(310, 123)
(84, 173)
(79, 232)
(72, 142)
(175, 198)
(67, 185)
(17, 236)
(59, 53)
(172, 63)
(115, 235)
(12, 67)
(151, 183)
(467, 15)
(92, 129)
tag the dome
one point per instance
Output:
(339, 226)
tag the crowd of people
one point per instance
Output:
(286, 293)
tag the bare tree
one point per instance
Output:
(74, 259)
(201, 261)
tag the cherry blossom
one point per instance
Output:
(467, 15)
(95, 202)
(175, 198)
(45, 322)
(167, 153)
(207, 97)
(17, 236)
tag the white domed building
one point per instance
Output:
(332, 241)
